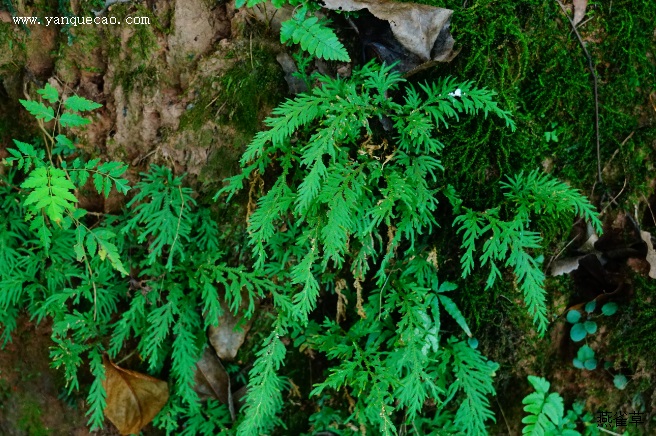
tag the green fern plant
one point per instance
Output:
(546, 412)
(159, 214)
(66, 265)
(50, 189)
(74, 288)
(356, 190)
(511, 241)
(313, 34)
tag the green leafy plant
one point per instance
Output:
(585, 358)
(512, 240)
(546, 412)
(50, 189)
(356, 191)
(313, 34)
(48, 199)
(67, 265)
(583, 327)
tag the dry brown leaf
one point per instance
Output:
(651, 254)
(421, 29)
(565, 266)
(579, 11)
(569, 264)
(342, 302)
(213, 381)
(228, 336)
(133, 399)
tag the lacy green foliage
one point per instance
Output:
(50, 189)
(313, 35)
(360, 202)
(546, 412)
(210, 420)
(511, 240)
(264, 398)
(67, 265)
(474, 377)
(159, 215)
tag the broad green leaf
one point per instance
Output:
(590, 327)
(473, 342)
(573, 316)
(64, 141)
(39, 110)
(49, 93)
(590, 364)
(68, 119)
(446, 287)
(590, 307)
(80, 104)
(609, 309)
(578, 332)
(620, 381)
(455, 313)
(91, 244)
(585, 353)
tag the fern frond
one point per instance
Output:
(163, 215)
(159, 320)
(474, 377)
(541, 193)
(264, 397)
(51, 192)
(185, 353)
(314, 37)
(545, 410)
(26, 156)
(97, 395)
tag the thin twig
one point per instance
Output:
(504, 415)
(608, 431)
(125, 358)
(614, 198)
(649, 206)
(596, 93)
(560, 252)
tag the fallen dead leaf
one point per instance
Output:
(213, 381)
(420, 29)
(228, 336)
(565, 266)
(579, 11)
(133, 399)
(651, 254)
(569, 264)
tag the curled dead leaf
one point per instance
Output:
(422, 30)
(651, 254)
(133, 399)
(579, 11)
(213, 381)
(227, 337)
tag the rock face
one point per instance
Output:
(160, 84)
